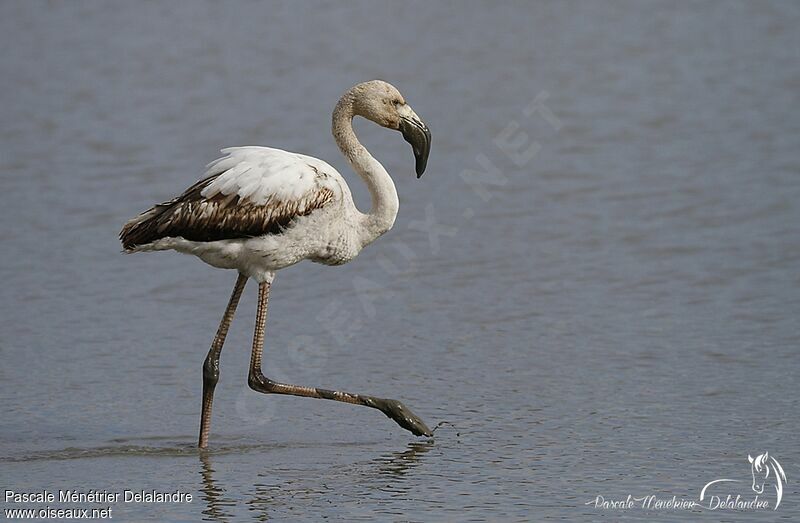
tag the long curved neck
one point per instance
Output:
(381, 187)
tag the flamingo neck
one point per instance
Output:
(385, 203)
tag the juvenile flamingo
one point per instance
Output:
(258, 210)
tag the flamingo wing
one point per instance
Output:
(248, 192)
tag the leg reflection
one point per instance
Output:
(399, 463)
(213, 496)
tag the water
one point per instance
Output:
(616, 314)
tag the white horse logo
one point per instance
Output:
(760, 467)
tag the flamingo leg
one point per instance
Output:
(211, 365)
(258, 382)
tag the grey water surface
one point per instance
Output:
(595, 284)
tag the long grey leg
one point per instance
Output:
(258, 382)
(211, 365)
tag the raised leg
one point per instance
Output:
(258, 382)
(211, 365)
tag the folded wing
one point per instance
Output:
(250, 191)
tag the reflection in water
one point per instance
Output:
(284, 490)
(398, 464)
(213, 495)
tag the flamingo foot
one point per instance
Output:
(402, 415)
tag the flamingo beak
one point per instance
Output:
(417, 134)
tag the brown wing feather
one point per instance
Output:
(220, 217)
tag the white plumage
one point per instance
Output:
(301, 204)
(259, 174)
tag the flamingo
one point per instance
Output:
(258, 210)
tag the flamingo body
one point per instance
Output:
(256, 210)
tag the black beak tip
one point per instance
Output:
(418, 135)
(422, 159)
